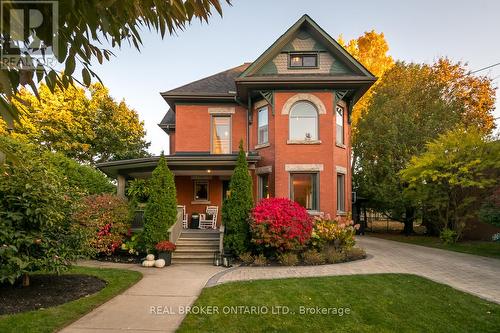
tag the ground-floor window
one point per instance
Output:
(304, 190)
(263, 186)
(340, 192)
(201, 190)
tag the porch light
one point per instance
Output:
(209, 171)
(217, 258)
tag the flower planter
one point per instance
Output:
(167, 256)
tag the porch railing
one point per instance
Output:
(175, 230)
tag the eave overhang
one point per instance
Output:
(173, 99)
(184, 162)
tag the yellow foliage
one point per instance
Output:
(370, 50)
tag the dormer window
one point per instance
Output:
(303, 60)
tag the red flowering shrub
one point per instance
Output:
(280, 224)
(165, 246)
(104, 220)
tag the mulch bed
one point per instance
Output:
(122, 257)
(47, 290)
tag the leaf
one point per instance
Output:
(86, 77)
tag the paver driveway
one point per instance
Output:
(473, 274)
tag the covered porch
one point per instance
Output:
(201, 180)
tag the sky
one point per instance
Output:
(416, 31)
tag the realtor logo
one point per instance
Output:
(28, 33)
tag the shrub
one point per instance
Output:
(236, 208)
(84, 178)
(35, 206)
(161, 209)
(138, 190)
(260, 260)
(165, 246)
(313, 257)
(490, 210)
(448, 236)
(104, 220)
(246, 258)
(288, 259)
(338, 232)
(333, 256)
(135, 244)
(355, 253)
(280, 224)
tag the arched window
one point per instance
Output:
(303, 121)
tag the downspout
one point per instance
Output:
(237, 100)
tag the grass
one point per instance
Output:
(480, 248)
(54, 318)
(377, 303)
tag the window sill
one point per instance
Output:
(201, 202)
(262, 145)
(339, 213)
(303, 142)
(340, 145)
(314, 212)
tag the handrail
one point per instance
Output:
(221, 238)
(175, 230)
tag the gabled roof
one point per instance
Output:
(308, 24)
(168, 121)
(220, 83)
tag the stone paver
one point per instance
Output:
(473, 274)
(167, 290)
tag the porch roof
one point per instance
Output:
(193, 164)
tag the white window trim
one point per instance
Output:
(215, 115)
(258, 126)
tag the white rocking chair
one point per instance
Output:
(209, 223)
(184, 216)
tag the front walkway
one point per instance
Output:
(473, 274)
(167, 290)
(151, 305)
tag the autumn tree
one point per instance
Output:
(82, 26)
(407, 110)
(371, 50)
(456, 171)
(89, 126)
(475, 93)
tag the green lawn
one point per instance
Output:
(377, 303)
(480, 248)
(54, 318)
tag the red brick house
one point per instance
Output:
(291, 107)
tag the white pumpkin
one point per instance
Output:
(150, 257)
(148, 263)
(160, 263)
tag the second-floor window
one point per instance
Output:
(221, 135)
(303, 121)
(339, 116)
(303, 60)
(263, 126)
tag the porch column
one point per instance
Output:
(120, 189)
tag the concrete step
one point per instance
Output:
(197, 243)
(196, 249)
(199, 234)
(197, 255)
(184, 261)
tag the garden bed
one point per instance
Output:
(122, 257)
(47, 290)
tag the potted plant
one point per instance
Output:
(165, 249)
